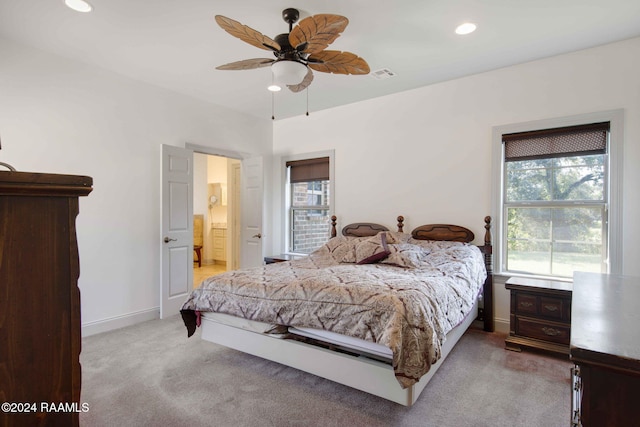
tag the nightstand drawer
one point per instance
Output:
(526, 303)
(555, 308)
(543, 330)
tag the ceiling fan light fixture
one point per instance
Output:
(274, 88)
(79, 5)
(466, 28)
(286, 72)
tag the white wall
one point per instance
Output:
(61, 116)
(407, 153)
(426, 153)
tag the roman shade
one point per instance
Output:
(309, 170)
(558, 142)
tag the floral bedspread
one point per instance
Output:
(406, 300)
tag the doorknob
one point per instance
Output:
(167, 240)
(259, 235)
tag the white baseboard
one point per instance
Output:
(501, 325)
(117, 322)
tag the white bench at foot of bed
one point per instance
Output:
(359, 372)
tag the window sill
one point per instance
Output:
(506, 276)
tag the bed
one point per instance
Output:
(373, 309)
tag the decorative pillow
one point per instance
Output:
(397, 237)
(405, 255)
(369, 250)
(340, 246)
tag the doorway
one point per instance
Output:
(244, 217)
(215, 213)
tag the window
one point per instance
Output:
(555, 200)
(308, 204)
(556, 211)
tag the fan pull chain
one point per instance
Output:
(273, 117)
(307, 101)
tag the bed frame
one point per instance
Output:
(357, 371)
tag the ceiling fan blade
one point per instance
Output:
(337, 62)
(247, 64)
(247, 34)
(317, 31)
(308, 78)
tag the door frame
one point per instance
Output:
(193, 148)
(188, 245)
(168, 303)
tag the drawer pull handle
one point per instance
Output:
(526, 304)
(551, 307)
(551, 331)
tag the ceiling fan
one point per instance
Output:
(297, 52)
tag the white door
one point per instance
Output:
(251, 247)
(177, 229)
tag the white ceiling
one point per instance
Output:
(177, 44)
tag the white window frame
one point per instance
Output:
(614, 160)
(286, 196)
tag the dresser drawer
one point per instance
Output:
(541, 330)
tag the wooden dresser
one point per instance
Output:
(605, 346)
(540, 314)
(39, 298)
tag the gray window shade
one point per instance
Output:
(558, 142)
(309, 170)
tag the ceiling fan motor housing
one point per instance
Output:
(286, 50)
(283, 41)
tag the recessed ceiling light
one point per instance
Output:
(466, 28)
(79, 5)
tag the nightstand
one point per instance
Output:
(280, 258)
(540, 314)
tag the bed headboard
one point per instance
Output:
(449, 232)
(363, 229)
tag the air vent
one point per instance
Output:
(382, 73)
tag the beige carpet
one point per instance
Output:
(153, 375)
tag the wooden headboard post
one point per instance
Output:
(334, 233)
(487, 250)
